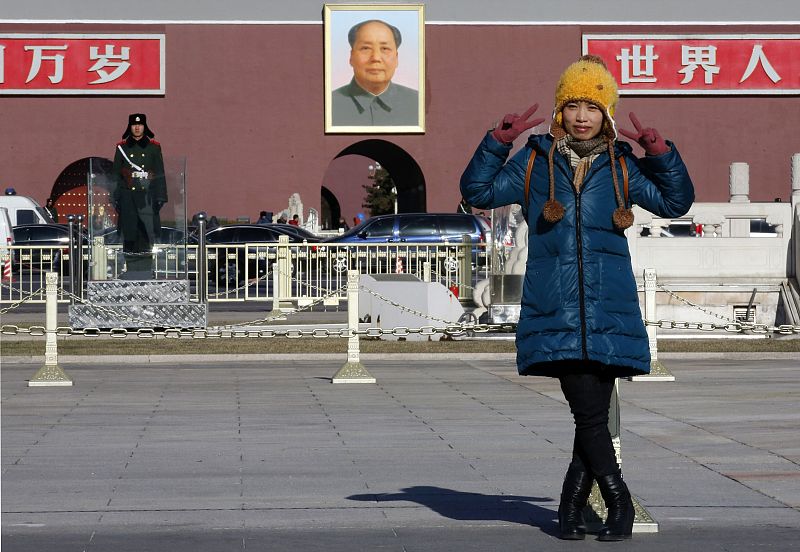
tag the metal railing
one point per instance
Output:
(243, 272)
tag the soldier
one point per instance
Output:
(139, 194)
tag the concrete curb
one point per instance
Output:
(164, 359)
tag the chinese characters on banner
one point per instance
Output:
(44, 64)
(700, 64)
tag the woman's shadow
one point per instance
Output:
(473, 506)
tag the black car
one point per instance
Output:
(42, 247)
(239, 252)
(292, 230)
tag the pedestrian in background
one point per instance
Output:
(580, 320)
(264, 217)
(51, 208)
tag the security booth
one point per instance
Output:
(138, 260)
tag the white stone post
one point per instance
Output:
(740, 183)
(353, 371)
(51, 374)
(99, 259)
(283, 291)
(657, 370)
(276, 312)
(426, 271)
(465, 282)
(740, 193)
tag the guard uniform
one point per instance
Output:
(139, 194)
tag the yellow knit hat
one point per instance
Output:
(587, 80)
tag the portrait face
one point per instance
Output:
(367, 90)
(582, 120)
(137, 131)
(374, 57)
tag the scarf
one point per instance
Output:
(581, 154)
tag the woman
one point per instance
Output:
(580, 320)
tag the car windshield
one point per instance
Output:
(355, 229)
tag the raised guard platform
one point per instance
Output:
(138, 304)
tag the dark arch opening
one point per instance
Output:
(331, 210)
(406, 173)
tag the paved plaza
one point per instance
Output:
(444, 453)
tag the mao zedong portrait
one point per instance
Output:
(371, 98)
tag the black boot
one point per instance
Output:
(619, 523)
(574, 495)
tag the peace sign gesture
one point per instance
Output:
(649, 138)
(513, 125)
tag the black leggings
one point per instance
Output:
(589, 396)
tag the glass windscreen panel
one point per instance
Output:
(136, 222)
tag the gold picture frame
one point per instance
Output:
(372, 84)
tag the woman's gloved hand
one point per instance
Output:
(649, 138)
(513, 125)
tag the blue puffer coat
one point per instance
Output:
(579, 300)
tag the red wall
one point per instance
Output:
(244, 104)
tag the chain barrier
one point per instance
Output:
(241, 330)
(731, 325)
(282, 316)
(245, 285)
(27, 297)
(235, 332)
(437, 276)
(693, 305)
(404, 308)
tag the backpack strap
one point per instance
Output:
(528, 172)
(624, 166)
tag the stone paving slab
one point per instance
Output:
(446, 454)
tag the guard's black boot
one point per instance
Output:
(574, 495)
(619, 523)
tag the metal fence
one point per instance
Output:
(245, 272)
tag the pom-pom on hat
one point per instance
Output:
(587, 80)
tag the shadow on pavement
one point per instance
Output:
(473, 506)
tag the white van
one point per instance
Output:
(6, 235)
(25, 210)
(6, 239)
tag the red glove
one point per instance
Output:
(513, 125)
(649, 138)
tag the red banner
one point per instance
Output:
(45, 64)
(700, 64)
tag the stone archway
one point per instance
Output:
(405, 172)
(70, 190)
(348, 173)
